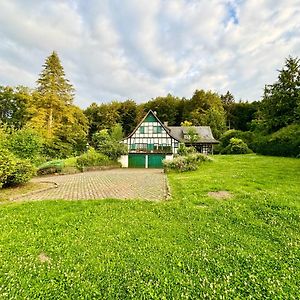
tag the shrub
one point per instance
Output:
(284, 142)
(22, 173)
(245, 136)
(92, 158)
(51, 167)
(107, 145)
(189, 162)
(25, 144)
(236, 146)
(7, 165)
(55, 148)
(14, 171)
(184, 150)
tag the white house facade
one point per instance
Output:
(153, 141)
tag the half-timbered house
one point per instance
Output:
(152, 141)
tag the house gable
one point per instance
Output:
(151, 136)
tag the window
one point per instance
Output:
(142, 129)
(150, 146)
(157, 129)
(132, 146)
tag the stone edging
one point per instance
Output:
(55, 185)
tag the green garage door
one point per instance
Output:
(136, 160)
(155, 160)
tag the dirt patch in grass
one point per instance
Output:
(43, 258)
(201, 205)
(220, 195)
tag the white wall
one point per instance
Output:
(169, 157)
(124, 161)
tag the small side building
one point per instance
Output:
(152, 141)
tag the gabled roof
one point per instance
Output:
(204, 133)
(150, 112)
(178, 132)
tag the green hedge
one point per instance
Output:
(284, 142)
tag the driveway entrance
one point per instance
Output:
(148, 184)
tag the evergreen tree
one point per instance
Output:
(281, 102)
(54, 92)
(228, 104)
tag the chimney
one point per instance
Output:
(166, 123)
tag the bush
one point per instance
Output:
(245, 136)
(184, 150)
(51, 167)
(284, 142)
(22, 173)
(7, 165)
(236, 146)
(14, 171)
(190, 162)
(107, 145)
(25, 144)
(92, 158)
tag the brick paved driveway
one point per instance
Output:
(148, 184)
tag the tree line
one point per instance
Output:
(49, 110)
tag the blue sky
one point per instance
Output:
(140, 49)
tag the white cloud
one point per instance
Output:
(140, 49)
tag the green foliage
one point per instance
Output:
(128, 112)
(205, 108)
(281, 103)
(51, 167)
(54, 92)
(167, 108)
(104, 116)
(23, 171)
(14, 171)
(243, 114)
(92, 158)
(7, 165)
(247, 137)
(184, 150)
(189, 162)
(236, 146)
(26, 144)
(14, 106)
(117, 133)
(186, 123)
(107, 145)
(284, 142)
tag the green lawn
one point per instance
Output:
(193, 246)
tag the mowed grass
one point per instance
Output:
(193, 246)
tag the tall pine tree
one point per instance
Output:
(54, 92)
(281, 102)
(62, 124)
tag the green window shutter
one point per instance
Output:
(133, 146)
(142, 129)
(157, 129)
(150, 147)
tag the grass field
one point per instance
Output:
(193, 246)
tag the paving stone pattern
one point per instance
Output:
(148, 184)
